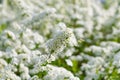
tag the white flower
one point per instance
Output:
(25, 76)
(7, 74)
(69, 62)
(21, 6)
(37, 17)
(58, 42)
(60, 75)
(9, 35)
(3, 63)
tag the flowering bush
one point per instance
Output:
(59, 40)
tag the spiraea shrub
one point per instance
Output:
(59, 39)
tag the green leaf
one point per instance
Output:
(2, 27)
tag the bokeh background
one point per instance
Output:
(93, 53)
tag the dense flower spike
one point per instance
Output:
(58, 42)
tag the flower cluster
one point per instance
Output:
(58, 42)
